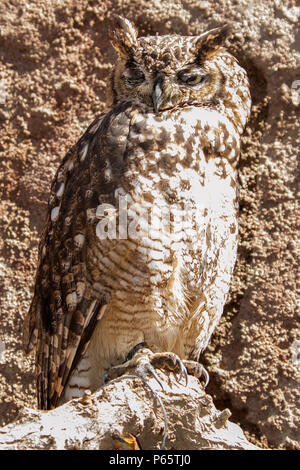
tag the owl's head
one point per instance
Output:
(164, 72)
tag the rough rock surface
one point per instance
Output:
(95, 421)
(54, 59)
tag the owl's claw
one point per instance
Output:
(150, 370)
(148, 361)
(206, 375)
(197, 370)
(170, 361)
(183, 372)
(145, 362)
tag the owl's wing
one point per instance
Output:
(63, 312)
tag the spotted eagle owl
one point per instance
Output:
(141, 234)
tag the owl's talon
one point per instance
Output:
(206, 375)
(183, 372)
(151, 371)
(145, 362)
(172, 362)
(197, 370)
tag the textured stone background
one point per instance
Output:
(54, 60)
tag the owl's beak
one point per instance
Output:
(157, 92)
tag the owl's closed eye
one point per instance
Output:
(169, 72)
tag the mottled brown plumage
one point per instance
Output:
(168, 148)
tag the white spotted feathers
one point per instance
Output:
(140, 239)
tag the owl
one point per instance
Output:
(140, 237)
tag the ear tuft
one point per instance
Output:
(209, 42)
(124, 37)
